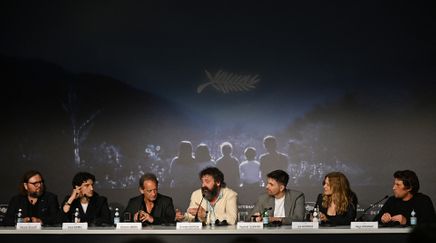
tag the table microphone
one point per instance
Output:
(199, 205)
(371, 206)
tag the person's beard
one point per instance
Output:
(36, 194)
(210, 194)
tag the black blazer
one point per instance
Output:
(46, 208)
(97, 213)
(162, 212)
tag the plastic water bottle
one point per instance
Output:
(20, 218)
(76, 216)
(413, 219)
(212, 219)
(315, 215)
(265, 217)
(116, 216)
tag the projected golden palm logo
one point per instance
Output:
(229, 82)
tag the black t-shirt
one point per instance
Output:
(420, 203)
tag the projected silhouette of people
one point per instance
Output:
(229, 165)
(272, 159)
(182, 167)
(249, 170)
(203, 158)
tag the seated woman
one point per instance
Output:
(337, 204)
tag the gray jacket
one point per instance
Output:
(294, 205)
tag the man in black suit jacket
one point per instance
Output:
(36, 204)
(150, 207)
(93, 208)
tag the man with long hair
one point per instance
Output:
(35, 202)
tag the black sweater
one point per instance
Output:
(421, 203)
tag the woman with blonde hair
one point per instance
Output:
(337, 204)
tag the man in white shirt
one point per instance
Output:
(213, 202)
(286, 205)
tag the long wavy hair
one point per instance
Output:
(341, 193)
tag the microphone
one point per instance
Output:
(370, 206)
(199, 205)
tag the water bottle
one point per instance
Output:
(116, 216)
(413, 219)
(76, 216)
(212, 219)
(265, 217)
(315, 215)
(20, 218)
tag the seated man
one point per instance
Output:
(37, 204)
(219, 205)
(151, 207)
(286, 205)
(93, 208)
(398, 208)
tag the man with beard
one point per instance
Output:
(286, 205)
(36, 204)
(213, 202)
(150, 207)
(93, 208)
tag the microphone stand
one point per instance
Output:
(199, 205)
(371, 206)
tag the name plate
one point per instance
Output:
(75, 226)
(305, 225)
(364, 225)
(249, 225)
(189, 225)
(28, 226)
(129, 226)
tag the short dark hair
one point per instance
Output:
(250, 153)
(25, 178)
(280, 176)
(81, 177)
(148, 177)
(270, 142)
(217, 175)
(409, 178)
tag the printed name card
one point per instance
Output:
(129, 226)
(305, 225)
(189, 225)
(249, 225)
(75, 226)
(28, 226)
(364, 225)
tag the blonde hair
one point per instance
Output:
(341, 193)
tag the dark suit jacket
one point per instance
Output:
(294, 205)
(46, 208)
(97, 213)
(162, 212)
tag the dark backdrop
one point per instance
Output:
(112, 88)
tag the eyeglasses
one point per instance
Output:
(36, 183)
